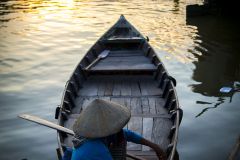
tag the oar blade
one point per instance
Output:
(45, 123)
(104, 54)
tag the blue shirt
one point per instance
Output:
(95, 149)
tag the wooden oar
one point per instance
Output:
(60, 128)
(46, 123)
(102, 55)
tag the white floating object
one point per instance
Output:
(225, 89)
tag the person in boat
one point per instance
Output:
(99, 130)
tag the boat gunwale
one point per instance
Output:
(177, 120)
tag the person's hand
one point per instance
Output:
(161, 155)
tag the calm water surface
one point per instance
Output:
(41, 41)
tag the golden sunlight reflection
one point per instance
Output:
(47, 24)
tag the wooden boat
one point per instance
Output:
(132, 75)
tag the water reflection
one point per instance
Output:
(219, 102)
(218, 61)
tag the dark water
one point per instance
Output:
(41, 41)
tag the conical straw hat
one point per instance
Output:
(100, 119)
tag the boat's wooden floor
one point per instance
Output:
(124, 60)
(141, 95)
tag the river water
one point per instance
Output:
(41, 41)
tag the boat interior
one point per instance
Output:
(131, 75)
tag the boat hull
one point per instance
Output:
(132, 75)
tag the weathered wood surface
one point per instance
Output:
(126, 53)
(149, 119)
(78, 104)
(117, 87)
(120, 86)
(135, 124)
(161, 130)
(122, 40)
(140, 94)
(90, 88)
(127, 61)
(135, 88)
(100, 85)
(125, 89)
(122, 65)
(147, 131)
(45, 123)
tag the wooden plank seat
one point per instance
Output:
(125, 53)
(124, 61)
(112, 40)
